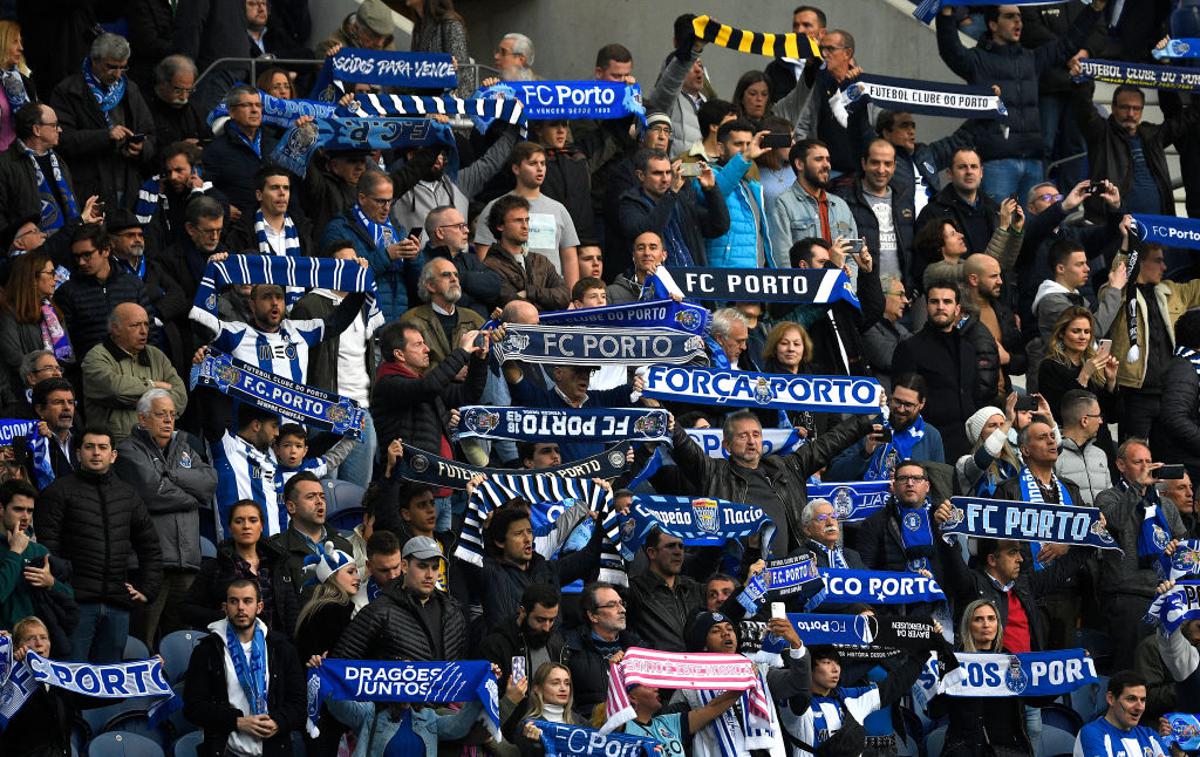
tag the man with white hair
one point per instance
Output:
(823, 531)
(174, 482)
(514, 57)
(730, 330)
(440, 319)
(122, 367)
(107, 129)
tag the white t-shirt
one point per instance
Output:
(550, 229)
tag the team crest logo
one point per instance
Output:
(419, 463)
(1183, 730)
(843, 504)
(650, 424)
(956, 517)
(763, 394)
(185, 461)
(706, 513)
(616, 459)
(867, 628)
(289, 351)
(1181, 48)
(481, 422)
(1101, 532)
(210, 302)
(515, 343)
(227, 375)
(912, 521)
(1186, 560)
(688, 319)
(628, 528)
(1159, 536)
(336, 414)
(1014, 678)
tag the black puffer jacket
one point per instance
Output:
(202, 605)
(98, 522)
(569, 182)
(86, 303)
(416, 408)
(501, 583)
(1016, 71)
(1175, 437)
(391, 627)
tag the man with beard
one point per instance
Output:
(886, 541)
(449, 238)
(743, 246)
(883, 211)
(874, 457)
(982, 298)
(440, 319)
(960, 370)
(175, 116)
(806, 209)
(253, 714)
(162, 201)
(531, 635)
(599, 642)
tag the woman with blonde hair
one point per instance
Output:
(1072, 361)
(14, 76)
(551, 698)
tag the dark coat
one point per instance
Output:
(151, 33)
(16, 341)
(57, 37)
(723, 479)
(19, 199)
(416, 409)
(323, 357)
(569, 182)
(504, 582)
(173, 124)
(977, 222)
(86, 303)
(480, 284)
(1015, 70)
(206, 698)
(543, 286)
(323, 195)
(589, 669)
(1176, 433)
(660, 614)
(505, 641)
(701, 217)
(295, 551)
(100, 166)
(230, 165)
(391, 628)
(961, 377)
(903, 221)
(202, 605)
(882, 548)
(99, 523)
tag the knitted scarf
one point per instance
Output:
(54, 336)
(106, 97)
(756, 43)
(52, 218)
(384, 233)
(1190, 355)
(291, 242)
(252, 673)
(886, 456)
(14, 89)
(1131, 306)
(1154, 533)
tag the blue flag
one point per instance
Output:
(779, 391)
(1183, 47)
(384, 69)
(531, 424)
(564, 739)
(682, 316)
(1168, 231)
(1028, 521)
(1170, 609)
(852, 501)
(396, 681)
(699, 520)
(878, 587)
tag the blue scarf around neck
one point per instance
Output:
(252, 673)
(54, 214)
(384, 233)
(917, 535)
(106, 97)
(887, 456)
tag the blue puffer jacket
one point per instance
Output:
(1016, 70)
(738, 247)
(395, 279)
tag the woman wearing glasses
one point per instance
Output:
(29, 320)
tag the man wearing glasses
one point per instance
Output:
(233, 159)
(892, 540)
(107, 129)
(440, 318)
(176, 117)
(450, 239)
(594, 645)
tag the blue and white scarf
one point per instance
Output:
(1184, 561)
(508, 111)
(1028, 521)
(1182, 47)
(384, 69)
(873, 587)
(886, 457)
(277, 112)
(384, 234)
(1029, 674)
(289, 271)
(1140, 74)
(152, 198)
(807, 286)
(252, 673)
(696, 520)
(1170, 609)
(106, 97)
(14, 89)
(1031, 491)
(667, 313)
(53, 217)
(426, 467)
(530, 424)
(591, 345)
(790, 575)
(708, 386)
(927, 9)
(295, 150)
(1154, 533)
(394, 681)
(852, 501)
(271, 392)
(12, 430)
(560, 739)
(1185, 728)
(291, 241)
(929, 98)
(916, 535)
(775, 441)
(1169, 231)
(549, 100)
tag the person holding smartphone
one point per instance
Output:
(25, 564)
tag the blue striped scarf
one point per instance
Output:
(52, 217)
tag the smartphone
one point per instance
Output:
(690, 169)
(856, 245)
(1170, 472)
(776, 140)
(1028, 402)
(518, 668)
(778, 610)
(136, 138)
(37, 562)
(1096, 187)
(884, 434)
(481, 341)
(1105, 347)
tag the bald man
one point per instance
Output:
(982, 297)
(119, 370)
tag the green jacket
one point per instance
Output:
(114, 380)
(16, 597)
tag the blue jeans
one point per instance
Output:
(100, 636)
(445, 513)
(357, 468)
(1003, 177)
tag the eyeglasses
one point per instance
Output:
(822, 517)
(611, 605)
(461, 226)
(380, 200)
(903, 405)
(208, 232)
(897, 293)
(1050, 198)
(182, 90)
(1093, 415)
(48, 369)
(831, 48)
(660, 127)
(117, 67)
(50, 123)
(163, 415)
(911, 479)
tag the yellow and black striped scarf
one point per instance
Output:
(756, 43)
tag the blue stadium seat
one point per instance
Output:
(118, 744)
(189, 744)
(101, 719)
(1060, 724)
(176, 650)
(207, 548)
(343, 503)
(135, 649)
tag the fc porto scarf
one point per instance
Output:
(790, 575)
(13, 431)
(699, 520)
(709, 386)
(53, 217)
(272, 392)
(1140, 74)
(916, 535)
(789, 45)
(591, 345)
(151, 196)
(277, 112)
(852, 501)
(395, 681)
(507, 110)
(806, 286)
(544, 100)
(775, 441)
(927, 9)
(296, 148)
(1185, 728)
(1035, 522)
(928, 98)
(381, 68)
(428, 468)
(873, 587)
(667, 313)
(1029, 674)
(381, 233)
(565, 739)
(531, 424)
(1168, 230)
(1031, 491)
(1183, 47)
(14, 89)
(1184, 561)
(291, 237)
(1190, 355)
(865, 630)
(108, 97)
(1170, 609)
(886, 457)
(252, 673)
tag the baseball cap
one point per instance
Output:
(421, 548)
